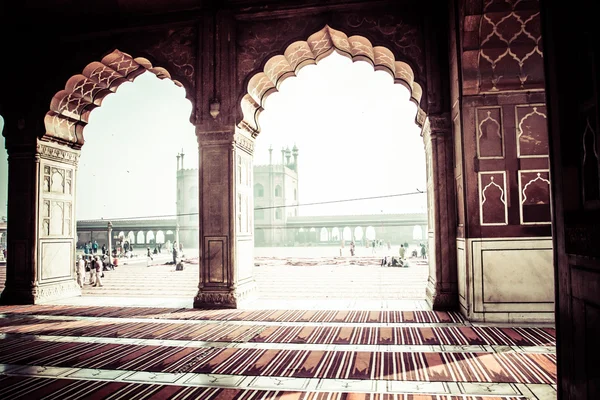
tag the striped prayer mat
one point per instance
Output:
(309, 334)
(13, 387)
(347, 316)
(510, 367)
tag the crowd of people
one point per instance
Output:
(96, 263)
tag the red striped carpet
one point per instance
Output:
(384, 365)
(345, 316)
(219, 332)
(48, 388)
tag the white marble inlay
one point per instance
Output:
(149, 377)
(416, 387)
(38, 370)
(543, 392)
(487, 388)
(346, 385)
(282, 383)
(215, 380)
(101, 374)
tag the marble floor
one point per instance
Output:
(321, 345)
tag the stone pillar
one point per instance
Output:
(109, 231)
(226, 219)
(41, 215)
(442, 286)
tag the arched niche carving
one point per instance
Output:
(71, 107)
(318, 46)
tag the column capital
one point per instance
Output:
(57, 152)
(218, 137)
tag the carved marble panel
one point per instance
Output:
(490, 133)
(57, 217)
(493, 208)
(57, 180)
(56, 260)
(217, 259)
(532, 131)
(534, 197)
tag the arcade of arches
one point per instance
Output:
(475, 69)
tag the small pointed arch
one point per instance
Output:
(150, 237)
(259, 190)
(335, 234)
(347, 233)
(324, 235)
(160, 237)
(141, 238)
(71, 107)
(318, 46)
(358, 233)
(278, 192)
(131, 237)
(370, 233)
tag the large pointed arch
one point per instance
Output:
(318, 46)
(70, 108)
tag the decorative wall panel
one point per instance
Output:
(510, 53)
(591, 165)
(492, 198)
(532, 131)
(490, 133)
(534, 197)
(217, 263)
(56, 260)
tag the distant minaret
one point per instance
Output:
(282, 156)
(270, 154)
(295, 154)
(288, 155)
(182, 158)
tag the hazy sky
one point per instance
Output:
(356, 136)
(354, 129)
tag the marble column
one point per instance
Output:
(442, 286)
(41, 215)
(226, 219)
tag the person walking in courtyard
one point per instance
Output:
(148, 256)
(423, 251)
(175, 253)
(402, 251)
(352, 248)
(99, 273)
(80, 271)
(95, 247)
(373, 247)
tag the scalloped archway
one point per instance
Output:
(318, 46)
(70, 108)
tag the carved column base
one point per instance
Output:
(226, 298)
(41, 293)
(440, 300)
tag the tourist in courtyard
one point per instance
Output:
(80, 271)
(103, 249)
(352, 248)
(423, 251)
(402, 251)
(373, 247)
(148, 256)
(175, 253)
(98, 268)
(95, 247)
